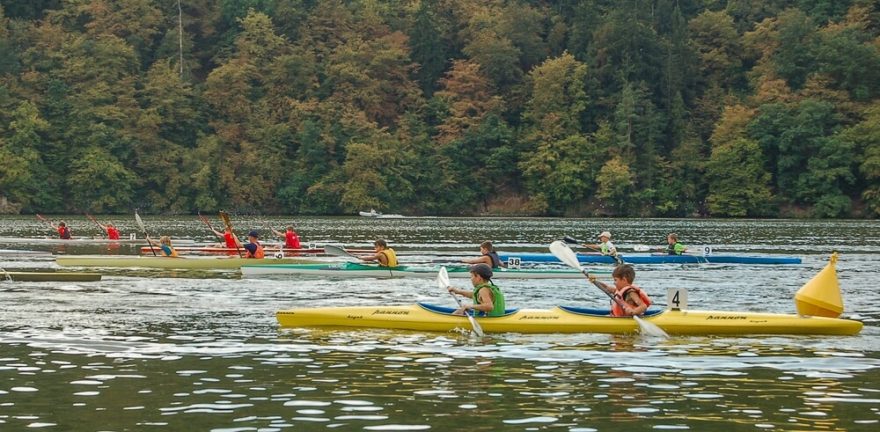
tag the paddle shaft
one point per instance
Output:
(137, 218)
(443, 282)
(92, 218)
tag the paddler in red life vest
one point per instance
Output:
(229, 237)
(291, 239)
(63, 230)
(385, 256)
(253, 247)
(488, 256)
(635, 300)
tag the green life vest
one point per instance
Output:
(497, 298)
(675, 249)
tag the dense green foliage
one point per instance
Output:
(737, 108)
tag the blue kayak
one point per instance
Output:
(657, 259)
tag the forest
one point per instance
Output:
(575, 108)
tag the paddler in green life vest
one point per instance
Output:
(384, 255)
(674, 247)
(605, 247)
(487, 297)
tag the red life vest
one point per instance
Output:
(258, 253)
(64, 232)
(230, 240)
(617, 310)
(291, 240)
(112, 233)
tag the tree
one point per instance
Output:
(738, 183)
(468, 95)
(615, 184)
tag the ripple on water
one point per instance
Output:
(398, 427)
(306, 403)
(542, 419)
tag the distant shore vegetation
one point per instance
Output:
(664, 108)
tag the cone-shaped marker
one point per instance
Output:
(821, 295)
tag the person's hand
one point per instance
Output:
(451, 289)
(591, 278)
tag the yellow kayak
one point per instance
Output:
(818, 302)
(565, 319)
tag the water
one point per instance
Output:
(172, 350)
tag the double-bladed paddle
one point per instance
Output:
(443, 283)
(143, 228)
(228, 223)
(567, 256)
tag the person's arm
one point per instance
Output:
(486, 305)
(217, 233)
(478, 260)
(612, 250)
(640, 306)
(604, 286)
(277, 233)
(369, 258)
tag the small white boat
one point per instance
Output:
(371, 213)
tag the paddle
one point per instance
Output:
(571, 240)
(338, 251)
(443, 283)
(44, 220)
(92, 218)
(567, 256)
(206, 222)
(140, 223)
(228, 223)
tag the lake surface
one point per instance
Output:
(176, 350)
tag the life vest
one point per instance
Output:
(617, 310)
(607, 248)
(168, 251)
(497, 299)
(291, 240)
(257, 253)
(230, 240)
(390, 256)
(496, 260)
(675, 249)
(112, 233)
(64, 232)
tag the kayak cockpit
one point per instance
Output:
(443, 310)
(606, 313)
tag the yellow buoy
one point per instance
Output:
(821, 295)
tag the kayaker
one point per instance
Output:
(112, 232)
(674, 247)
(488, 300)
(385, 256)
(253, 247)
(605, 247)
(63, 230)
(488, 257)
(291, 239)
(229, 237)
(635, 300)
(164, 244)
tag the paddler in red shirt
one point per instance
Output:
(229, 237)
(112, 232)
(291, 239)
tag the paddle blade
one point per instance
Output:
(650, 329)
(641, 248)
(571, 240)
(139, 221)
(337, 251)
(561, 251)
(443, 278)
